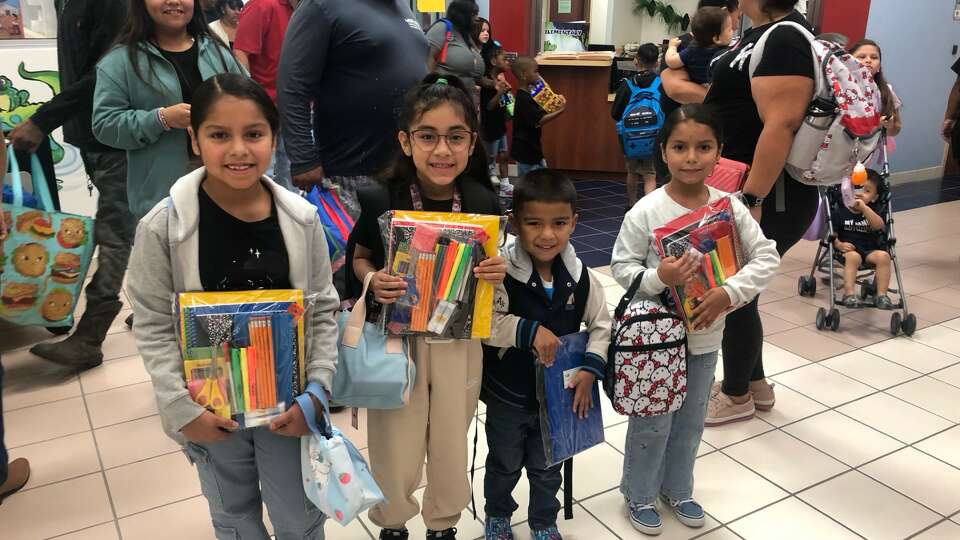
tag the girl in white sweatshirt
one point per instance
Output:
(661, 450)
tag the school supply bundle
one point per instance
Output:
(842, 125)
(336, 478)
(374, 370)
(710, 235)
(641, 121)
(564, 433)
(646, 370)
(436, 254)
(243, 352)
(44, 254)
(545, 97)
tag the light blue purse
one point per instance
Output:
(336, 479)
(374, 371)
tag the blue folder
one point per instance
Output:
(564, 433)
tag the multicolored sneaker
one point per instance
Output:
(497, 528)
(550, 533)
(688, 511)
(645, 518)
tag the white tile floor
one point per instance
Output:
(864, 441)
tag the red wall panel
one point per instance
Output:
(848, 17)
(510, 20)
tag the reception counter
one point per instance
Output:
(584, 138)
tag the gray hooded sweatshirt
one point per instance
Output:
(165, 261)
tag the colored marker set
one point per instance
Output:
(242, 352)
(436, 253)
(709, 234)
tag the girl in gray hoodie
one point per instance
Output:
(225, 227)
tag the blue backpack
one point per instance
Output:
(641, 121)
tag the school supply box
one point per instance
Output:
(710, 235)
(243, 352)
(436, 253)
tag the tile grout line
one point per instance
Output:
(103, 473)
(78, 530)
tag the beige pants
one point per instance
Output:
(433, 425)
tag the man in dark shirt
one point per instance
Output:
(344, 69)
(87, 28)
(951, 128)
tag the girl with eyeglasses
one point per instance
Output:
(441, 169)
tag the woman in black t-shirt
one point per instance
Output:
(762, 114)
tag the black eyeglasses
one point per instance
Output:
(427, 139)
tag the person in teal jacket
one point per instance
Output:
(144, 88)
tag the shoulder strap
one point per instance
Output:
(756, 55)
(442, 57)
(628, 296)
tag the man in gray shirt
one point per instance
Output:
(344, 69)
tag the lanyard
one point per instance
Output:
(418, 200)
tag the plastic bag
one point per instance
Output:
(710, 234)
(435, 253)
(243, 352)
(564, 433)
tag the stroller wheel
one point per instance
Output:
(821, 319)
(895, 322)
(909, 325)
(807, 286)
(834, 319)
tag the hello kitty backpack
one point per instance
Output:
(646, 370)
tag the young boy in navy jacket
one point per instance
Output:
(548, 292)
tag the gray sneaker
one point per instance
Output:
(851, 301)
(884, 302)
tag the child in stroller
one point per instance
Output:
(861, 238)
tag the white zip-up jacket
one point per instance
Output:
(633, 253)
(166, 260)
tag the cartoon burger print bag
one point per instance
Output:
(44, 255)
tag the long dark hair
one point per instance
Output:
(436, 90)
(238, 86)
(140, 29)
(695, 112)
(886, 96)
(486, 49)
(461, 14)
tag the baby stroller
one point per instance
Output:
(831, 200)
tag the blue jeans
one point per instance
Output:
(661, 450)
(280, 168)
(252, 467)
(524, 168)
(515, 443)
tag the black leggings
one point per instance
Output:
(743, 334)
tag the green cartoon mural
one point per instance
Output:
(15, 104)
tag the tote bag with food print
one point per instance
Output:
(44, 254)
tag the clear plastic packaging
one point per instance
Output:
(435, 253)
(243, 352)
(710, 235)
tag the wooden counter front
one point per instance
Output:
(584, 137)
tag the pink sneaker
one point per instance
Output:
(722, 410)
(764, 398)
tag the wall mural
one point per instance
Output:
(23, 90)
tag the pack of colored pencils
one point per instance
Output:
(243, 352)
(436, 254)
(710, 235)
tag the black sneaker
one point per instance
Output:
(446, 534)
(394, 534)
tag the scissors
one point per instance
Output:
(211, 395)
